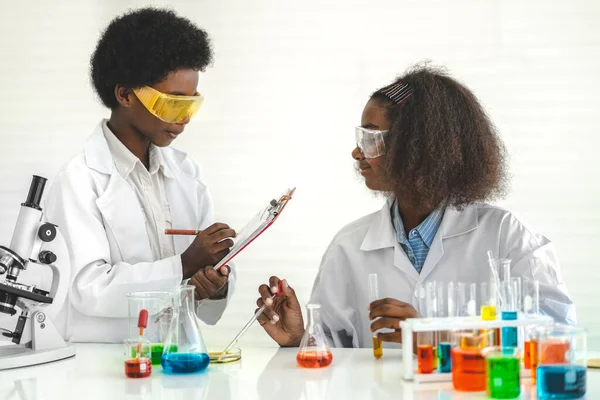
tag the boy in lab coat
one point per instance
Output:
(425, 141)
(115, 199)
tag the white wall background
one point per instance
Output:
(286, 89)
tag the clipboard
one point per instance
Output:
(257, 225)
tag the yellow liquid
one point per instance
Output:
(377, 348)
(435, 357)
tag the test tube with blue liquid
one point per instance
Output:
(509, 336)
(562, 361)
(446, 307)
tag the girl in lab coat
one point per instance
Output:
(115, 199)
(425, 142)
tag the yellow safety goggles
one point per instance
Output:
(166, 107)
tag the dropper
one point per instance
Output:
(142, 324)
(249, 324)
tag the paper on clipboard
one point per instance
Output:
(257, 225)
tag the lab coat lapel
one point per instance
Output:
(381, 235)
(433, 256)
(454, 223)
(123, 214)
(118, 204)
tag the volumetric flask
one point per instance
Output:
(503, 372)
(562, 361)
(314, 351)
(184, 350)
(160, 311)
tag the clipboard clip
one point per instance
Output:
(277, 206)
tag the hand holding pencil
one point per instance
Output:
(208, 248)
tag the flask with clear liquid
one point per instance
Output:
(314, 351)
(184, 350)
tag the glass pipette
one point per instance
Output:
(248, 324)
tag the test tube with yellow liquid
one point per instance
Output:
(374, 295)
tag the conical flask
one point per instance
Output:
(184, 350)
(314, 352)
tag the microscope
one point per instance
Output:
(37, 252)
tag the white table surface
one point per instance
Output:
(97, 372)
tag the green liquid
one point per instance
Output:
(156, 352)
(503, 377)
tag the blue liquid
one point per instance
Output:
(509, 337)
(445, 359)
(184, 363)
(561, 381)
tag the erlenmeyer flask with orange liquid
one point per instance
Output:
(314, 352)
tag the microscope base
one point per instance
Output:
(21, 356)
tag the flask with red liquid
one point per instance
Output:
(314, 351)
(138, 362)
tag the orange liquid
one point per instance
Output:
(138, 367)
(527, 355)
(425, 359)
(553, 352)
(468, 370)
(377, 348)
(533, 357)
(314, 359)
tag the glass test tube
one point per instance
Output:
(374, 295)
(425, 340)
(442, 346)
(531, 297)
(437, 290)
(517, 290)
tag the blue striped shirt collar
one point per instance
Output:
(426, 229)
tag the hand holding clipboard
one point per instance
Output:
(253, 229)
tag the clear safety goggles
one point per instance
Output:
(166, 107)
(370, 142)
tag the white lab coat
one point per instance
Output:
(102, 222)
(457, 254)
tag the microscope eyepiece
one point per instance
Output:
(35, 192)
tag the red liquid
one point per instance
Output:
(138, 367)
(425, 359)
(468, 370)
(314, 359)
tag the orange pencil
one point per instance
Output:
(181, 231)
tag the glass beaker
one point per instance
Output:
(184, 349)
(562, 361)
(160, 311)
(503, 372)
(468, 364)
(314, 351)
(137, 357)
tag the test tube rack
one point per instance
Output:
(415, 325)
